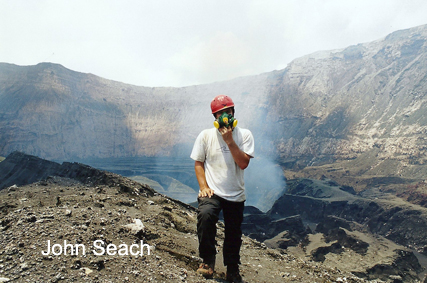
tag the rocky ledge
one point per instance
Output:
(102, 227)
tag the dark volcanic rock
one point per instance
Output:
(319, 253)
(404, 269)
(22, 169)
(346, 241)
(402, 222)
(332, 222)
(262, 227)
(351, 225)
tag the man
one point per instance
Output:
(221, 155)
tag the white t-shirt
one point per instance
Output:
(223, 175)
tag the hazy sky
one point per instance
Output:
(187, 42)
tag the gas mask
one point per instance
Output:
(225, 120)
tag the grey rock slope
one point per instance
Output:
(336, 105)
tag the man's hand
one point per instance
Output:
(227, 134)
(205, 192)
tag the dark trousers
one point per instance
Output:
(208, 214)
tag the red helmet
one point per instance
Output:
(221, 102)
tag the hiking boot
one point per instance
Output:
(233, 275)
(207, 270)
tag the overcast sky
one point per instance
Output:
(188, 42)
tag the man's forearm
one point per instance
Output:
(241, 158)
(204, 190)
(199, 168)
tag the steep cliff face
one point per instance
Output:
(336, 105)
(364, 100)
(50, 111)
